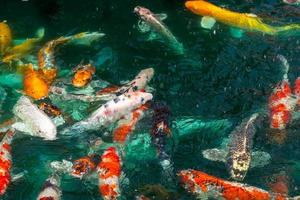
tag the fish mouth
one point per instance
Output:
(137, 9)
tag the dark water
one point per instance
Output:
(219, 77)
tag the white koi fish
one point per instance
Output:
(51, 189)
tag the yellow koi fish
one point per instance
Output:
(5, 37)
(23, 49)
(246, 21)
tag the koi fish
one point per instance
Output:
(203, 186)
(5, 160)
(281, 102)
(159, 133)
(111, 112)
(85, 38)
(51, 189)
(5, 37)
(127, 125)
(109, 172)
(50, 109)
(83, 75)
(19, 51)
(249, 22)
(33, 121)
(297, 90)
(84, 166)
(139, 82)
(154, 22)
(292, 2)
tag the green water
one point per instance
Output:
(218, 78)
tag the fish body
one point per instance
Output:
(111, 111)
(50, 109)
(34, 120)
(34, 84)
(109, 172)
(156, 24)
(297, 90)
(5, 37)
(204, 185)
(127, 125)
(5, 161)
(83, 75)
(249, 22)
(240, 148)
(51, 189)
(84, 166)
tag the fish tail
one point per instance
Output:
(288, 30)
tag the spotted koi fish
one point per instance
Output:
(49, 109)
(281, 101)
(127, 125)
(109, 172)
(83, 75)
(5, 37)
(297, 90)
(204, 186)
(5, 160)
(51, 189)
(84, 166)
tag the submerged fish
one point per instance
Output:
(49, 109)
(32, 120)
(292, 2)
(281, 101)
(84, 166)
(83, 75)
(127, 125)
(109, 173)
(19, 51)
(5, 37)
(297, 90)
(85, 38)
(206, 186)
(5, 160)
(51, 189)
(249, 22)
(111, 112)
(157, 25)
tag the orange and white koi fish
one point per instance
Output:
(110, 112)
(84, 166)
(5, 160)
(297, 90)
(51, 189)
(249, 22)
(109, 172)
(203, 186)
(34, 84)
(5, 37)
(83, 75)
(281, 101)
(23, 49)
(127, 125)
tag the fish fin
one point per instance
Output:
(22, 127)
(208, 22)
(58, 121)
(260, 159)
(18, 176)
(236, 32)
(251, 15)
(285, 65)
(124, 181)
(215, 154)
(161, 16)
(40, 33)
(85, 38)
(153, 36)
(143, 27)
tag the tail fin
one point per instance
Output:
(289, 30)
(40, 33)
(285, 64)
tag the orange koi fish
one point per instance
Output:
(83, 75)
(109, 172)
(84, 166)
(249, 22)
(51, 189)
(297, 90)
(34, 84)
(50, 109)
(126, 126)
(204, 185)
(46, 58)
(23, 49)
(5, 160)
(281, 102)
(5, 37)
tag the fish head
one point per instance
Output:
(140, 97)
(238, 165)
(148, 73)
(47, 131)
(82, 167)
(144, 13)
(200, 7)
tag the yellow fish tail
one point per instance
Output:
(288, 30)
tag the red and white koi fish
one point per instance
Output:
(297, 90)
(109, 172)
(51, 189)
(110, 112)
(5, 160)
(203, 186)
(281, 101)
(84, 166)
(127, 125)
